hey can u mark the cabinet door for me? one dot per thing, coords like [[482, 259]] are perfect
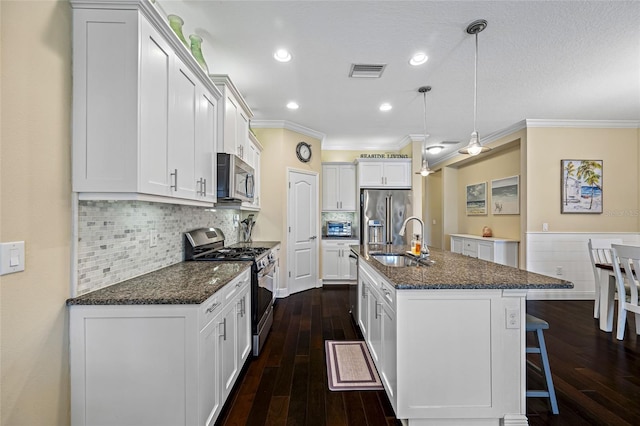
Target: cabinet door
[[457, 244], [470, 248], [242, 134], [156, 59], [330, 185], [374, 337], [371, 175], [182, 132], [205, 146], [345, 264], [485, 250], [209, 385], [347, 187], [363, 303], [389, 376], [331, 262], [243, 311], [230, 124], [397, 174], [227, 348]]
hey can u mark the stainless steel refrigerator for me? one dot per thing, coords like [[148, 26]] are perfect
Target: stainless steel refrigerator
[[382, 212]]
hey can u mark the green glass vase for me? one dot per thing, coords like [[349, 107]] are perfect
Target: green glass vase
[[196, 50], [176, 23]]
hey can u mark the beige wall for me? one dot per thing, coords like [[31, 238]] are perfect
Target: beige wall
[[501, 164], [619, 150], [35, 203], [278, 155]]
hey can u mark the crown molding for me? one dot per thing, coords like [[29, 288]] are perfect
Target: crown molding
[[593, 124], [288, 125]]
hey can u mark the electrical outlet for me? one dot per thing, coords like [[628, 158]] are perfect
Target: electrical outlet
[[153, 238], [545, 227], [558, 270], [513, 318]]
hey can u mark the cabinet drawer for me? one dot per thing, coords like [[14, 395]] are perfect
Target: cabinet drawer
[[470, 248], [209, 309], [214, 304], [388, 294]]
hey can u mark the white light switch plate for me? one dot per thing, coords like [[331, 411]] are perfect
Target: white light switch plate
[[11, 257]]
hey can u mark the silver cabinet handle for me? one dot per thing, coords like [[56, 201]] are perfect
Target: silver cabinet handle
[[364, 291], [382, 179], [376, 309], [212, 307], [175, 179], [204, 186], [224, 325], [337, 204]]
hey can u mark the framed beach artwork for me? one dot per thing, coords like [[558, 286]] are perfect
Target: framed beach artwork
[[581, 190], [477, 199], [505, 195]]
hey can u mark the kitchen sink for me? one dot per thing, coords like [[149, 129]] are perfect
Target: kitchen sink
[[399, 260]]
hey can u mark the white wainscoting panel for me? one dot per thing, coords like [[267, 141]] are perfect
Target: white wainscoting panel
[[548, 251]]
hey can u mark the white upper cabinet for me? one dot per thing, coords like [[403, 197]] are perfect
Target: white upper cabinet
[[392, 173], [141, 126], [338, 187], [233, 117]]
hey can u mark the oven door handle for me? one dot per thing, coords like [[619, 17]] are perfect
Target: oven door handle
[[267, 270]]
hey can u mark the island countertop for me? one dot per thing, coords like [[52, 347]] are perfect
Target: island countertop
[[184, 283], [454, 271]]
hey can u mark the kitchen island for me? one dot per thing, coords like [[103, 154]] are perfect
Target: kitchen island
[[448, 338]]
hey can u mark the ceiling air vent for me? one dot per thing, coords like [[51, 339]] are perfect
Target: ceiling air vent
[[366, 70], [449, 142]]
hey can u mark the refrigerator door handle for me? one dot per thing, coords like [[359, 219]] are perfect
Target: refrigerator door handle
[[389, 220]]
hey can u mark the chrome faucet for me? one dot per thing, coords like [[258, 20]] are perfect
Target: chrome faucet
[[424, 251]]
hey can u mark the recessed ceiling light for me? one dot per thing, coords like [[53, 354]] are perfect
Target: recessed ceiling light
[[385, 107], [293, 105], [434, 149], [282, 55], [418, 59]]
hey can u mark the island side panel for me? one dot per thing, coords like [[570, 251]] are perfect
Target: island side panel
[[458, 359]]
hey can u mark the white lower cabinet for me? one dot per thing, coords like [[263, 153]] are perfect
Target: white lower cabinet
[[498, 250], [158, 364], [436, 351], [335, 260], [378, 325]]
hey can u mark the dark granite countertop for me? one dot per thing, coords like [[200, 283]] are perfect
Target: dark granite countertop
[[455, 271], [265, 244], [186, 283]]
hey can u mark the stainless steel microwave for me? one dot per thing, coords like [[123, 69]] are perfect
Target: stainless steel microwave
[[236, 179]]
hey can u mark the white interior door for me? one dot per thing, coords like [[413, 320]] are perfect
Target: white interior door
[[303, 231]]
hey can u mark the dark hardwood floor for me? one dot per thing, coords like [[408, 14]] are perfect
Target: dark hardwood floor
[[597, 378]]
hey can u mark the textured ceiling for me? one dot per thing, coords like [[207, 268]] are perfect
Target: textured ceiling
[[555, 60]]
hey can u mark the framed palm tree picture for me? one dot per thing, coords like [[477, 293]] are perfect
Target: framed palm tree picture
[[581, 190]]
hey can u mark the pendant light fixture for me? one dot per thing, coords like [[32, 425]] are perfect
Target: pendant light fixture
[[474, 147], [425, 170]]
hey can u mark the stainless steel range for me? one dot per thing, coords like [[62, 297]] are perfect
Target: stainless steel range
[[207, 244]]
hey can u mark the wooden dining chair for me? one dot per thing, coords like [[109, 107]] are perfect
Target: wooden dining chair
[[627, 267], [600, 252]]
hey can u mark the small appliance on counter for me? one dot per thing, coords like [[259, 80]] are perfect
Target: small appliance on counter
[[338, 229]]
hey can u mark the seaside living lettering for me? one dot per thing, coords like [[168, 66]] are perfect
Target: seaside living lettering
[[384, 156]]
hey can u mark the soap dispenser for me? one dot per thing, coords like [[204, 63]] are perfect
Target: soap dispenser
[[418, 245]]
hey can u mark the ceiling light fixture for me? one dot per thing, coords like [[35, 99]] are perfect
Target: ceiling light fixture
[[474, 147], [418, 59], [425, 170], [435, 149], [293, 105], [385, 107], [282, 55]]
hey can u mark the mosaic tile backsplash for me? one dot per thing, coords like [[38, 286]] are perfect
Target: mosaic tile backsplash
[[113, 238]]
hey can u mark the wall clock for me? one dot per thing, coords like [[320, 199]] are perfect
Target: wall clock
[[303, 151]]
